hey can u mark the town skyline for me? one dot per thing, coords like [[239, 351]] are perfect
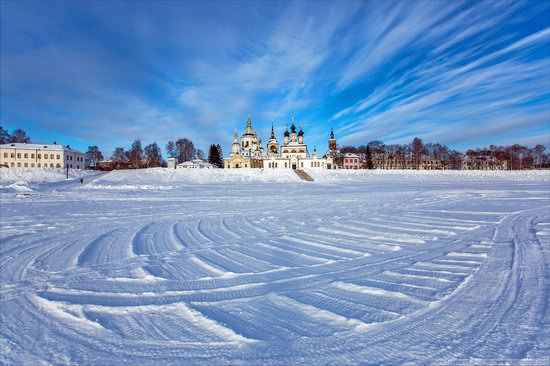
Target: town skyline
[[106, 73]]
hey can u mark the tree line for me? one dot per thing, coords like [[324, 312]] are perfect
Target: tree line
[[376, 153], [150, 156], [17, 136], [136, 156]]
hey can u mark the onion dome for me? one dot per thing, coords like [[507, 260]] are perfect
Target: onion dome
[[292, 127], [301, 133], [286, 132]]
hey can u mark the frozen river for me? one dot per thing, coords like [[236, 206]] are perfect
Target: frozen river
[[209, 268]]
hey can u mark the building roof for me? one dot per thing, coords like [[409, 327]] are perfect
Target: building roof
[[351, 155], [54, 147], [195, 162]]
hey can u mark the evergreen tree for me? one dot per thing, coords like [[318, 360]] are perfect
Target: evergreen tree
[[93, 155], [220, 155], [4, 136], [214, 156], [153, 156], [136, 155], [368, 159]]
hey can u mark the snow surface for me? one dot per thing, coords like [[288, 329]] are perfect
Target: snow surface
[[257, 267], [39, 175]]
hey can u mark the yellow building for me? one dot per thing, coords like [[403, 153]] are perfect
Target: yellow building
[[248, 153]]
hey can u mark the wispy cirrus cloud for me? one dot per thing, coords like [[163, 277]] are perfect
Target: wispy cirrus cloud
[[461, 73]]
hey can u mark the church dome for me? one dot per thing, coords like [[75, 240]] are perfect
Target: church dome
[[287, 133]]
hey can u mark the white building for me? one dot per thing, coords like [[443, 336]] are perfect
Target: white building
[[22, 155], [194, 164], [292, 154]]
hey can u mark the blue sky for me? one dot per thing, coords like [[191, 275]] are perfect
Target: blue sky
[[461, 73]]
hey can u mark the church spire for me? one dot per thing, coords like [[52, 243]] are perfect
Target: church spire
[[272, 131], [248, 125]]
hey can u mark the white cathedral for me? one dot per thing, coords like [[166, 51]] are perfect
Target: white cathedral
[[292, 154]]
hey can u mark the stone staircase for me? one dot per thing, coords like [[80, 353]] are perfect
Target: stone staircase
[[303, 175]]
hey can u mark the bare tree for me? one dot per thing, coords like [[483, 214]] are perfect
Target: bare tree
[[153, 156], [93, 155], [119, 155], [4, 136], [136, 155], [171, 149], [20, 136], [417, 149], [185, 150], [538, 152]]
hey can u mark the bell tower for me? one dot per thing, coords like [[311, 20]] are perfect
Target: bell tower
[[235, 148], [332, 141], [272, 144]]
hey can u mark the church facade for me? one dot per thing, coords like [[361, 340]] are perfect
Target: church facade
[[293, 153]]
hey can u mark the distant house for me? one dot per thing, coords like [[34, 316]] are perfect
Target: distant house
[[195, 164], [22, 155], [484, 162], [351, 161], [107, 165], [428, 163]]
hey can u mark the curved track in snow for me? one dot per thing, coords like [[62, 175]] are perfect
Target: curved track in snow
[[249, 273]]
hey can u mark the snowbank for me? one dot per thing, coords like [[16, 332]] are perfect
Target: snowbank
[[145, 178], [19, 187], [38, 175], [340, 176], [163, 178]]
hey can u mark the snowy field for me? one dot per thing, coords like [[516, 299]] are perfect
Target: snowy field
[[257, 267]]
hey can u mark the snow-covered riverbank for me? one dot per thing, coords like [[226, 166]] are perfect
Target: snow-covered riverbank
[[248, 267]]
